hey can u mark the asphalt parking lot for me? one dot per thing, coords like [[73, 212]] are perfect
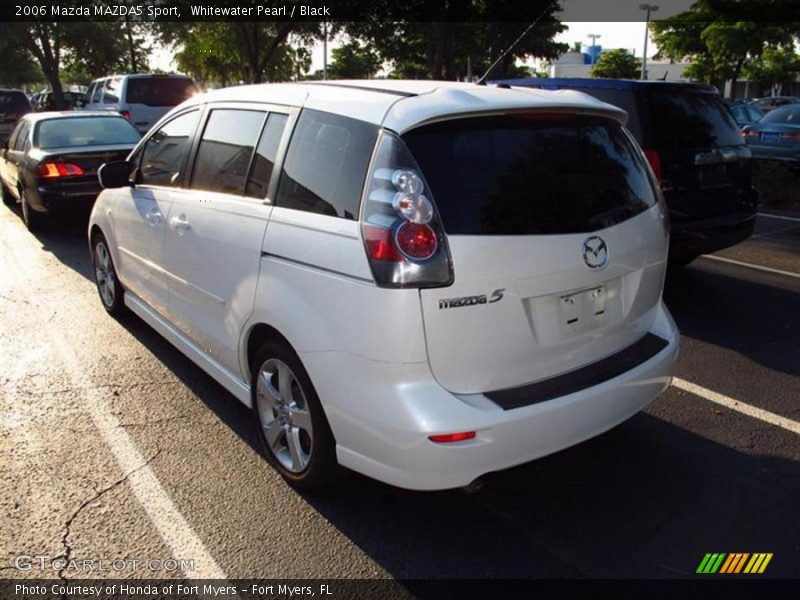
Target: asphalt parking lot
[[114, 445]]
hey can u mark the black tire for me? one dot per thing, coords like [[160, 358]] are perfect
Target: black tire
[[5, 196], [682, 261], [33, 220], [316, 447], [111, 292]]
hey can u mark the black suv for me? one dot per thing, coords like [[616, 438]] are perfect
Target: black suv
[[696, 150]]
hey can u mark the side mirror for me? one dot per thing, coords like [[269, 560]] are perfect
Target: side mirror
[[115, 174]]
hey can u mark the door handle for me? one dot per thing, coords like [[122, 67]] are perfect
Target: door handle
[[154, 218], [180, 223]]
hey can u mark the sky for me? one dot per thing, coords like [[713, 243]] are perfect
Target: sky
[[627, 34]]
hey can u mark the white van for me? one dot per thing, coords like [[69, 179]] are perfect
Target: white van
[[141, 98], [420, 281]]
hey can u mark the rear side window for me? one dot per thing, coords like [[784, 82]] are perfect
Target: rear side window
[[226, 149], [159, 91], [165, 152], [111, 93], [691, 120], [326, 164], [98, 92], [531, 174], [264, 159]]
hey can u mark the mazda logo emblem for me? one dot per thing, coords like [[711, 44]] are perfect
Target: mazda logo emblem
[[595, 252]]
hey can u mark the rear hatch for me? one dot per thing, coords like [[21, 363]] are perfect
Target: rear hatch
[[65, 178], [150, 98], [12, 106], [706, 168], [558, 243]]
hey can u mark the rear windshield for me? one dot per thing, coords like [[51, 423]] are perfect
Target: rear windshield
[[527, 175], [159, 91], [786, 114], [14, 103], [84, 131], [691, 120]]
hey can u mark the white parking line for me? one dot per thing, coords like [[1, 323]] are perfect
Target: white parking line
[[769, 216], [738, 406], [171, 525], [752, 266]]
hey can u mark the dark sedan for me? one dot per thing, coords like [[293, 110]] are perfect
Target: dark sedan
[[50, 162], [777, 135]]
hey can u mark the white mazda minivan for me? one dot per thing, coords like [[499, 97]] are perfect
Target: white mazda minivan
[[420, 281]]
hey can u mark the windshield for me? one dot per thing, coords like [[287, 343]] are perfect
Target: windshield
[[691, 120], [85, 131], [531, 174], [790, 115], [159, 91]]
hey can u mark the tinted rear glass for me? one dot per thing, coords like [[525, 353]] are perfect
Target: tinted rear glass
[[159, 91], [85, 131], [524, 176], [787, 114], [14, 103], [691, 120]]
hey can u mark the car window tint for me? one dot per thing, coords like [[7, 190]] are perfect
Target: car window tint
[[13, 104], [12, 141], [264, 159], [85, 131], [111, 93], [226, 148], [755, 113], [528, 175], [98, 92], [691, 120], [326, 164], [159, 91], [785, 114], [165, 152], [22, 136]]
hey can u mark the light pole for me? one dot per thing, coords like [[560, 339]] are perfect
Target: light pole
[[649, 8], [594, 37]]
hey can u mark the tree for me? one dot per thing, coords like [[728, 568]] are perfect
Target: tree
[[774, 67], [354, 61], [17, 68], [617, 64]]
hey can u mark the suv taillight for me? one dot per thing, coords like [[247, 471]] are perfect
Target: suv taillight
[[403, 235], [655, 162], [126, 114]]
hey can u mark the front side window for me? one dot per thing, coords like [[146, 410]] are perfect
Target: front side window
[[226, 149], [98, 92], [326, 164], [165, 153], [531, 174]]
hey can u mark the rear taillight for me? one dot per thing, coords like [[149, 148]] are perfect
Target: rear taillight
[[125, 114], [791, 135], [655, 162], [52, 170], [403, 235], [750, 133]]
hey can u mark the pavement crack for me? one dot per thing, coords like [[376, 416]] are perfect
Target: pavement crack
[[65, 540]]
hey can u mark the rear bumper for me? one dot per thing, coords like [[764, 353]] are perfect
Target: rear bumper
[[67, 199], [780, 153], [382, 414], [691, 239]]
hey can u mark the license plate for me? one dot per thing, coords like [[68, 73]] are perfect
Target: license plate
[[771, 137]]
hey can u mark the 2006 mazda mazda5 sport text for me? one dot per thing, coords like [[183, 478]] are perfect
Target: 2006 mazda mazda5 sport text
[[420, 281]]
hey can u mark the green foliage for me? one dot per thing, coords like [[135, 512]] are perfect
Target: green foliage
[[617, 64], [353, 61], [17, 67], [774, 67]]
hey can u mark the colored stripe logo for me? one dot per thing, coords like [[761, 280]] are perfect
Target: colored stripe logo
[[734, 563]]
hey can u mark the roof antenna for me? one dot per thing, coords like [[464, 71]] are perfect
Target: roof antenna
[[504, 53]]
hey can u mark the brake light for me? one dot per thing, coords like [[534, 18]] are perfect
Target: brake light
[[655, 162], [449, 438], [125, 114], [791, 135], [402, 231], [750, 133], [52, 170]]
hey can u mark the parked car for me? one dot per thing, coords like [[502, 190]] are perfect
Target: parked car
[[421, 281], [745, 113], [74, 100], [696, 150], [142, 99], [777, 135], [772, 102], [50, 162], [13, 104]]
